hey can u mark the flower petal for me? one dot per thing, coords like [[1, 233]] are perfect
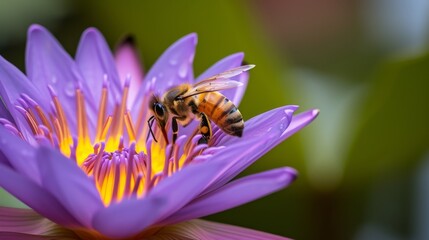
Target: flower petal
[[29, 224], [232, 61], [4, 160], [206, 230], [47, 63], [261, 134], [13, 83], [69, 184], [174, 67], [96, 61], [34, 196], [128, 62], [4, 113], [299, 121], [236, 193], [20, 155], [167, 197]]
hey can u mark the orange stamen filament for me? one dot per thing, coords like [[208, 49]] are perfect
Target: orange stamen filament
[[84, 147], [130, 127], [101, 113]]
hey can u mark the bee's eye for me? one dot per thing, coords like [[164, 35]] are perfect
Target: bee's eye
[[159, 110]]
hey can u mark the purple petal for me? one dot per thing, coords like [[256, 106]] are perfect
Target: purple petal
[[205, 230], [35, 197], [69, 184], [47, 63], [96, 61], [20, 155], [173, 68], [228, 63], [128, 62], [272, 123], [261, 134], [26, 221], [166, 198], [4, 161], [236, 193], [13, 83], [299, 121], [4, 113]]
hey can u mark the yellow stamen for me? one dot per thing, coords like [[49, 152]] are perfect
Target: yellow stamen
[[101, 113], [63, 125], [130, 127], [84, 147], [118, 121], [105, 129]]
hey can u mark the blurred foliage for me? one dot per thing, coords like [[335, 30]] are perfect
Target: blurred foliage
[[394, 131]]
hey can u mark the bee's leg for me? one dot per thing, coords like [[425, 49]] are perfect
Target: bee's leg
[[175, 128], [205, 129], [150, 123]]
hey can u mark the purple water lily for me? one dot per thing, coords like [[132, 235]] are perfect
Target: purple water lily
[[74, 147]]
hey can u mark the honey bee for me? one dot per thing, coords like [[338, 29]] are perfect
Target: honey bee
[[186, 102]]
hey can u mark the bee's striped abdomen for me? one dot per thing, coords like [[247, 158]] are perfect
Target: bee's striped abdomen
[[222, 112]]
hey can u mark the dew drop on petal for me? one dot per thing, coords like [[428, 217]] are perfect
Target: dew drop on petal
[[282, 125], [54, 79], [191, 58], [183, 70], [69, 90], [173, 61]]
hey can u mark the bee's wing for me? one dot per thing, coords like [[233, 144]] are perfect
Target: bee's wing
[[218, 82], [211, 86], [228, 74]]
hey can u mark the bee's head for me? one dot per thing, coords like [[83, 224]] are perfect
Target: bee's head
[[160, 113]]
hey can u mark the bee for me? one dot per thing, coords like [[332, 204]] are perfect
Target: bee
[[203, 101]]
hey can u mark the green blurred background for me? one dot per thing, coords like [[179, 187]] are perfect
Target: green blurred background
[[364, 163]]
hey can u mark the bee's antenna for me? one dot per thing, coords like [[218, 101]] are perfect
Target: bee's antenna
[[150, 123]]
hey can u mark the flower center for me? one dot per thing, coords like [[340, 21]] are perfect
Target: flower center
[[122, 163]]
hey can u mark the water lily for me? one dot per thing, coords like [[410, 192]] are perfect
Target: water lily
[[75, 148]]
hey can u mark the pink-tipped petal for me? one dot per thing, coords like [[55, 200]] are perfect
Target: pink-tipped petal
[[227, 63], [96, 62], [69, 184], [35, 197], [173, 68], [236, 193], [167, 197], [47, 63], [18, 223], [128, 63], [206, 230]]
